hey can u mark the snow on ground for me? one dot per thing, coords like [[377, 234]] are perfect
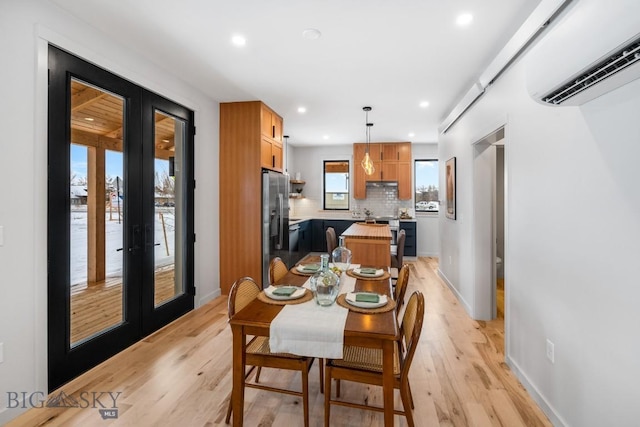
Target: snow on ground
[[113, 241]]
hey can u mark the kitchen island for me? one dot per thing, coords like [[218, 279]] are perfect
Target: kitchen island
[[370, 244]]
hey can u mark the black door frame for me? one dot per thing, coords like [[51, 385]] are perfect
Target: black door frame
[[140, 316]]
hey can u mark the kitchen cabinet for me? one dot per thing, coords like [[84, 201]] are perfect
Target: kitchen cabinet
[[392, 162], [271, 142], [304, 238], [359, 177], [410, 240], [244, 151], [318, 237], [271, 154], [270, 124]]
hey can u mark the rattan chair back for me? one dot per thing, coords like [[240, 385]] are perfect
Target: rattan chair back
[[277, 270], [411, 329], [401, 285], [242, 293]]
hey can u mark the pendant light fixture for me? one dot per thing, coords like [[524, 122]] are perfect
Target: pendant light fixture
[[367, 163]]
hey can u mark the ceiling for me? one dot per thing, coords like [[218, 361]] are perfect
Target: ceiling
[[390, 55]]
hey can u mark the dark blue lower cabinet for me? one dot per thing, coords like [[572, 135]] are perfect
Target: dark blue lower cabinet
[[318, 237], [304, 238], [410, 242]]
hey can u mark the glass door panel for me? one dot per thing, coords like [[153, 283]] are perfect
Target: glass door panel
[[169, 138], [97, 211]]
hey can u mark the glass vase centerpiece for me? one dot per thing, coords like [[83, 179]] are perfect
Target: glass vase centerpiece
[[341, 257], [325, 284]]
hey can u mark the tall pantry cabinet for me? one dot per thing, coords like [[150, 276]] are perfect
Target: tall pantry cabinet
[[250, 139]]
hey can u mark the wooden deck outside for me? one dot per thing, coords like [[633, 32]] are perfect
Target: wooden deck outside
[[98, 307]]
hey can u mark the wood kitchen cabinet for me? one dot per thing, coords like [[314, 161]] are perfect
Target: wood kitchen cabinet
[[270, 124], [392, 162], [244, 151], [271, 142], [271, 154]]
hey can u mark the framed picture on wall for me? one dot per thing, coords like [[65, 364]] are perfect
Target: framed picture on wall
[[450, 178]]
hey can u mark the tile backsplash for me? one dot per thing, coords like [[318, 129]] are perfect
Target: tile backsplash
[[381, 201]]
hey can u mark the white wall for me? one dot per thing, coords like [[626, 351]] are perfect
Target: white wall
[[26, 26], [572, 249], [309, 162]]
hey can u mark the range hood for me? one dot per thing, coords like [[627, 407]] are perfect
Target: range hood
[[382, 183]]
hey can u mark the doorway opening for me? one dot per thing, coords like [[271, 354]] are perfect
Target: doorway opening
[[489, 203]]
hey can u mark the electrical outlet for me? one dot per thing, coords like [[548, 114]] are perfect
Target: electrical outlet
[[449, 259], [551, 351]]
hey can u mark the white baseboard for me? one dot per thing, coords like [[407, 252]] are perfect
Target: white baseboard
[[210, 296], [546, 407], [429, 254], [464, 303]]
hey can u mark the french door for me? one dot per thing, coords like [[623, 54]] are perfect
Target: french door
[[120, 214]]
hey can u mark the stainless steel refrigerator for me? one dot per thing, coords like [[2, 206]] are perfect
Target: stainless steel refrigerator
[[275, 220]]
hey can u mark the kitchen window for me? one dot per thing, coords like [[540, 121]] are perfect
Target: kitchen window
[[426, 185], [336, 184]]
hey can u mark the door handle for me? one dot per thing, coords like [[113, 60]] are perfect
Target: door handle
[[135, 239]]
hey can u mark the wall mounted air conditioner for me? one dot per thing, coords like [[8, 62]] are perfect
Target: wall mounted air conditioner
[[591, 50]]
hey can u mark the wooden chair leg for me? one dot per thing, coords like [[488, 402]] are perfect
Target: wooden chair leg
[[321, 369], [327, 395], [410, 395], [305, 393], [405, 395], [229, 410], [258, 374]]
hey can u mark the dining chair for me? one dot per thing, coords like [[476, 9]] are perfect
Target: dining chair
[[401, 285], [277, 270], [258, 353], [364, 365], [332, 241], [396, 258]]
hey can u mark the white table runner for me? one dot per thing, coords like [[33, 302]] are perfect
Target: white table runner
[[308, 329]]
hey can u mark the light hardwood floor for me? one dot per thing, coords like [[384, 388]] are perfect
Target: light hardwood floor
[[181, 376]]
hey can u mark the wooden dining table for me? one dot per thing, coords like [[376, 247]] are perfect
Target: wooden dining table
[[379, 330]]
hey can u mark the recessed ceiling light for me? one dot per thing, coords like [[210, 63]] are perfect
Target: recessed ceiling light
[[411, 135], [238, 40], [302, 110], [424, 104], [464, 19], [89, 119], [311, 34], [325, 136]]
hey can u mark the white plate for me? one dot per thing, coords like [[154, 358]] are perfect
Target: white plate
[[297, 294], [351, 299], [357, 272], [301, 269]]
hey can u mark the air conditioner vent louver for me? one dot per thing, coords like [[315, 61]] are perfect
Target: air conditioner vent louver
[[619, 60]]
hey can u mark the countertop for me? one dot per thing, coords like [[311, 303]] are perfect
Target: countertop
[[298, 219], [368, 231]]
